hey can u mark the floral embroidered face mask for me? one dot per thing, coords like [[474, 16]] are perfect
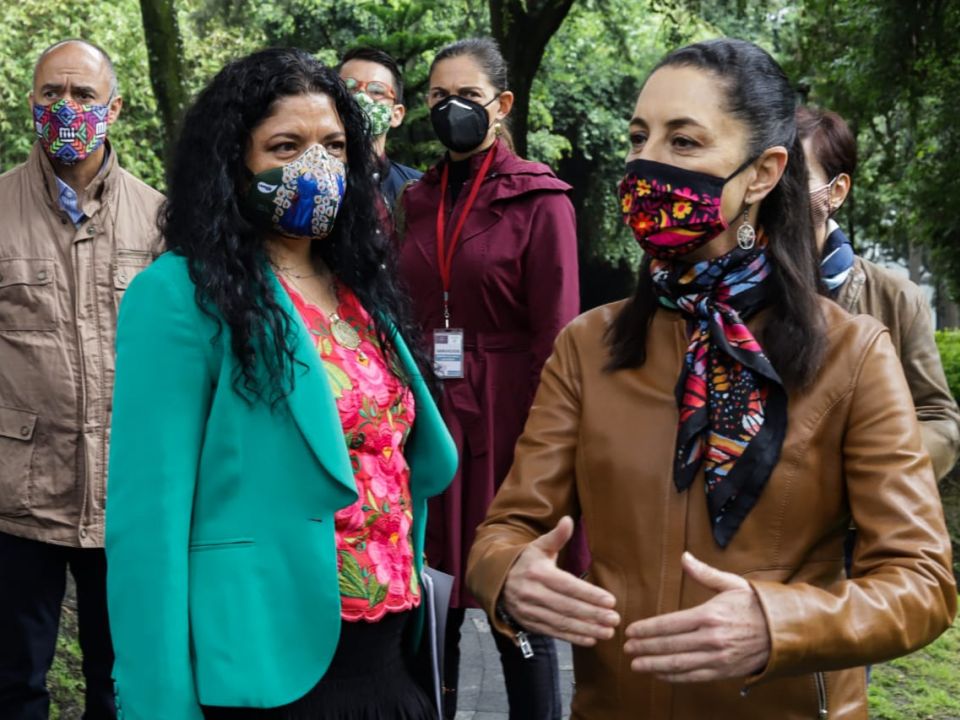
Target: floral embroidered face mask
[[299, 199], [672, 211], [68, 131]]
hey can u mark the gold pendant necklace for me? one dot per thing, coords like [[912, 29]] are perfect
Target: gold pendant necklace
[[344, 333]]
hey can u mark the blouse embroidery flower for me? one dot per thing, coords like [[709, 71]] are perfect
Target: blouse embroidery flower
[[374, 534]]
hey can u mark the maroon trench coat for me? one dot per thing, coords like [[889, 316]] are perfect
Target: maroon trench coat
[[514, 286]]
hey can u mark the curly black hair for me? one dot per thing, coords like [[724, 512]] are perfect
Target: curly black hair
[[226, 254]]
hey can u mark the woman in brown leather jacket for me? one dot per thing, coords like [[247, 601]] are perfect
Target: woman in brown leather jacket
[[718, 432]]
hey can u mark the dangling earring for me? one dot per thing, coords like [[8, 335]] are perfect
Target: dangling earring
[[497, 128], [746, 235]]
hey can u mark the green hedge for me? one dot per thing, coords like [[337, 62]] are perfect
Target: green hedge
[[948, 341]]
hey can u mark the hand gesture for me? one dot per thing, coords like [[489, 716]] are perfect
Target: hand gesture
[[725, 637], [545, 599]]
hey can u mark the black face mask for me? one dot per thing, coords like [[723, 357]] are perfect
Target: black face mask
[[460, 124]]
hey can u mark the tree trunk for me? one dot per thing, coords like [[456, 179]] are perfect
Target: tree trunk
[[914, 261], [948, 314], [165, 54], [523, 28]]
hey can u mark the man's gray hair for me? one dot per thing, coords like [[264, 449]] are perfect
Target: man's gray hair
[[114, 86]]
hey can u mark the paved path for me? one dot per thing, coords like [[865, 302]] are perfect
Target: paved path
[[482, 696]]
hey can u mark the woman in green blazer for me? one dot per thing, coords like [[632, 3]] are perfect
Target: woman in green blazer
[[274, 441]]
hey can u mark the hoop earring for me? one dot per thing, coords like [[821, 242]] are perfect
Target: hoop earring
[[746, 235]]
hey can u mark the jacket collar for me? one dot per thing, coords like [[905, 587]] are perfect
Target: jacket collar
[[89, 200], [311, 400], [523, 175]]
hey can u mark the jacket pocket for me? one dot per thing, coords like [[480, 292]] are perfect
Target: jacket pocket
[[220, 544], [129, 264], [17, 428], [28, 294]]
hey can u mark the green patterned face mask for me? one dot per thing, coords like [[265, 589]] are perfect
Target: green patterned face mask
[[378, 113]]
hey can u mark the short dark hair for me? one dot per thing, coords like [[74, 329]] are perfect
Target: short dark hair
[[114, 86], [833, 144], [380, 57]]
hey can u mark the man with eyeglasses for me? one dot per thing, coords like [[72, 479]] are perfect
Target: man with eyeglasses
[[375, 80], [76, 228]]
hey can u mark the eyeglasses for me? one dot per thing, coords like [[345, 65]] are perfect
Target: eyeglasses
[[375, 89]]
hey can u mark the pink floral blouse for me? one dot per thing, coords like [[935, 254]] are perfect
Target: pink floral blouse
[[374, 535]]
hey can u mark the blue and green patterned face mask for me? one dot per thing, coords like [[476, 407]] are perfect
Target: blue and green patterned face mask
[[299, 199], [377, 113]]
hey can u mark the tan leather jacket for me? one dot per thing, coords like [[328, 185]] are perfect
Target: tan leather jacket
[[59, 290], [601, 444], [901, 306]]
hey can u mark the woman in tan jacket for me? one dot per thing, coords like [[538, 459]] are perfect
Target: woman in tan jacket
[[861, 286], [718, 432]]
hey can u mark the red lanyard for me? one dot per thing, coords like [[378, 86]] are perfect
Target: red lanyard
[[445, 255]]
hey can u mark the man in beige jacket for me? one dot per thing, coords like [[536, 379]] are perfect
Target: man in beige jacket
[[75, 230]]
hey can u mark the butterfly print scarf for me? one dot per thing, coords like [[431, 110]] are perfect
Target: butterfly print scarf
[[732, 403]]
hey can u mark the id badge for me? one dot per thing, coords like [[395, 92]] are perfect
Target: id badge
[[448, 353]]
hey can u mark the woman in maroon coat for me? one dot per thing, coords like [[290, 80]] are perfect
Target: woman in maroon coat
[[489, 253]]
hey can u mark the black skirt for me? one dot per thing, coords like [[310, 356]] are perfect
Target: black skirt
[[369, 678]]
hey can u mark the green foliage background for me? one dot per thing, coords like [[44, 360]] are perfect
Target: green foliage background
[[891, 67], [948, 342], [29, 26]]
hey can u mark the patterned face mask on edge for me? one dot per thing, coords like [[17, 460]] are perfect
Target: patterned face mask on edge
[[68, 131], [820, 203], [377, 113], [672, 211], [301, 198]]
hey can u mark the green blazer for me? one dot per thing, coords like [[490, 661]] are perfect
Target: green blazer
[[222, 581]]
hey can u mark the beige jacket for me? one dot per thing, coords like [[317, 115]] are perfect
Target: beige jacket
[[899, 304], [60, 286], [601, 444]]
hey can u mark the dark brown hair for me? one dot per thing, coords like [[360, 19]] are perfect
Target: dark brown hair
[[830, 138], [758, 94]]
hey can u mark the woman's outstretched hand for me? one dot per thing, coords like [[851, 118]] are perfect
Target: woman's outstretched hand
[[725, 637], [544, 599]]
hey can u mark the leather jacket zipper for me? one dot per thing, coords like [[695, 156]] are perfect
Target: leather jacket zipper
[[523, 640], [821, 684]]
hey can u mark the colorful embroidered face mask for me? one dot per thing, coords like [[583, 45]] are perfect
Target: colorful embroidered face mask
[[69, 132], [299, 199], [377, 113], [672, 211]]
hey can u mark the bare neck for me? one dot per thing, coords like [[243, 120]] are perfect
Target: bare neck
[[820, 233], [288, 252]]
